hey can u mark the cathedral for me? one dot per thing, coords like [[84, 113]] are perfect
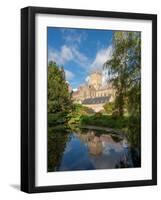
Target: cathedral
[[95, 92]]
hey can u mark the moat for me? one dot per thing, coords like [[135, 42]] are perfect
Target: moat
[[87, 149]]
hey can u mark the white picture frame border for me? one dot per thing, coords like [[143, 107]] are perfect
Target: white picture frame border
[[43, 178]]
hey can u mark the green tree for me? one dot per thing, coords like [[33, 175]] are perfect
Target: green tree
[[109, 107], [79, 110], [57, 139], [134, 76], [59, 98], [124, 68]]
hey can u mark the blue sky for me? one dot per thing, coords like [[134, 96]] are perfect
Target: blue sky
[[79, 51]]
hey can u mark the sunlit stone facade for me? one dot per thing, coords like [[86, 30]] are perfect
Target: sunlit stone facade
[[94, 93]]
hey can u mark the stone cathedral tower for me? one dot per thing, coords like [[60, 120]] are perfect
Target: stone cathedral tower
[[95, 80]]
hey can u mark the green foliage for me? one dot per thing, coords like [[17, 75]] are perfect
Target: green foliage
[[109, 107], [104, 121], [59, 98], [57, 139], [57, 118], [125, 70], [134, 100], [134, 131], [98, 114], [78, 110]]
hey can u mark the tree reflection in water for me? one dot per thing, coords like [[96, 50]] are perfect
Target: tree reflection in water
[[57, 140]]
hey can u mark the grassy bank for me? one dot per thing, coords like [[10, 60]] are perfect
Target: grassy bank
[[105, 121]]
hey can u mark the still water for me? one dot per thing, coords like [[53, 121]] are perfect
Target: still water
[[84, 149]]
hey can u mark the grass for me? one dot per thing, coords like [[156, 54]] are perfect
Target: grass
[[105, 121]]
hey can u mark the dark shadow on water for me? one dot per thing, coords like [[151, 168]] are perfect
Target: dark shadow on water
[[15, 186]]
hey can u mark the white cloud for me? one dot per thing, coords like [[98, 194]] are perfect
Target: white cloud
[[62, 56], [101, 57], [73, 36], [66, 54], [72, 53], [79, 57], [69, 75], [87, 79], [75, 89]]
